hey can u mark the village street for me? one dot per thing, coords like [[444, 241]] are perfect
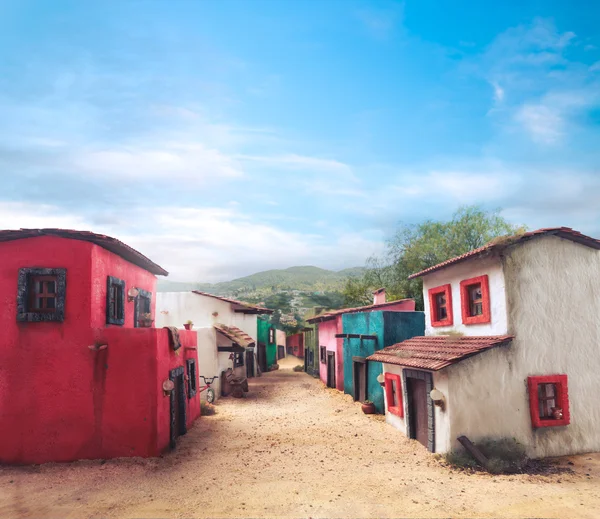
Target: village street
[[293, 448]]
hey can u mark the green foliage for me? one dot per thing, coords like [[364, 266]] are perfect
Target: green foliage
[[505, 456], [207, 409], [417, 247]]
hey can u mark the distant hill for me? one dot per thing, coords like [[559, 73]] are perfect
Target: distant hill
[[305, 279]]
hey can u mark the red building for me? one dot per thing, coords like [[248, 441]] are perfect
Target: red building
[[295, 345], [83, 372]]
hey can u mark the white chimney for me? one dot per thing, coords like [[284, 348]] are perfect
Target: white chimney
[[379, 296]]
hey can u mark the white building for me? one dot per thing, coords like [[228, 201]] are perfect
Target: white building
[[512, 348], [227, 331]]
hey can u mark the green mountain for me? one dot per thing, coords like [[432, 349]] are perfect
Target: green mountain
[[305, 279]]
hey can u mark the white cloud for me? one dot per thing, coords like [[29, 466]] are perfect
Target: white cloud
[[544, 124], [498, 92], [206, 244]]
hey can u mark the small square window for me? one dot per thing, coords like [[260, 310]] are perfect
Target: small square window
[[41, 294], [115, 301], [323, 357], [549, 400], [440, 306], [475, 300], [238, 360], [271, 335], [393, 394], [192, 377]]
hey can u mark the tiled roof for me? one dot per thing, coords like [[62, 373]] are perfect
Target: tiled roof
[[257, 309], [235, 335], [436, 351], [332, 315], [505, 241], [111, 244]]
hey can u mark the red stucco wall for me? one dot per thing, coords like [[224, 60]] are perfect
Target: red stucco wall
[[59, 400], [295, 344]]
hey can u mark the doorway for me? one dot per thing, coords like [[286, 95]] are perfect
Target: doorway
[[262, 356], [360, 378], [331, 369], [420, 415], [249, 363], [177, 405], [281, 351]]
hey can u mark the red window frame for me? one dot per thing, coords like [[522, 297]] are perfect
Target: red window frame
[[390, 378], [562, 400], [465, 301], [433, 292]]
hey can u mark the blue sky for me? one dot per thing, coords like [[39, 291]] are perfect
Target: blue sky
[[225, 137]]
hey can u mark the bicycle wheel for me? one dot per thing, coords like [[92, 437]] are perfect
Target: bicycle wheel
[[210, 395]]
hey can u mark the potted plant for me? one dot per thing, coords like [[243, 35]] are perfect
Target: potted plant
[[145, 320], [368, 407], [188, 324]]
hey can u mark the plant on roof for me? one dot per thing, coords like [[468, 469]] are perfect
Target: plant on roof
[[189, 321]]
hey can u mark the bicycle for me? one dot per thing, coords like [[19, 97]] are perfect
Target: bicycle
[[210, 392]]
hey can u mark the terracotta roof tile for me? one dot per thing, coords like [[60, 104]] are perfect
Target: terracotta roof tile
[[436, 352], [258, 309], [503, 242], [235, 334], [332, 315], [111, 244]]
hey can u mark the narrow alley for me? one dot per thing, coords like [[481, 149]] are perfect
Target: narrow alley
[[293, 448]]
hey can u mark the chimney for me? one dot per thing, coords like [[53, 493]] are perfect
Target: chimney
[[379, 296]]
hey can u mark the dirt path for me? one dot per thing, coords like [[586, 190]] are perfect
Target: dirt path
[[292, 448]]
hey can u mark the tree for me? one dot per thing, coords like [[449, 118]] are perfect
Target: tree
[[417, 247]]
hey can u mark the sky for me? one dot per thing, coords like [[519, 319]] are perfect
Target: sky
[[221, 138]]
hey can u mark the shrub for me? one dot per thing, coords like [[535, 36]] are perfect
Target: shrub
[[299, 367], [206, 409], [505, 456]]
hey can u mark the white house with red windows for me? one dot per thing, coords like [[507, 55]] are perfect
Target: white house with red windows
[[511, 348]]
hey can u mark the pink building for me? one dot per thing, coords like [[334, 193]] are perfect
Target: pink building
[[331, 358]]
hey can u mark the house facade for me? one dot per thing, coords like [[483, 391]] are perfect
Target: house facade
[[280, 339], [295, 344], [511, 348], [227, 331], [83, 371], [363, 333], [330, 329]]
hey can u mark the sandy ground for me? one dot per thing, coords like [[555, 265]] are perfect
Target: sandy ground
[[293, 448]]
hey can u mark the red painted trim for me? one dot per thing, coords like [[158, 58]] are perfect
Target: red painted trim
[[485, 317], [389, 395], [449, 321], [562, 399]]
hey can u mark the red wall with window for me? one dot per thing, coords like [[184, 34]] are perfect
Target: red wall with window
[[296, 343], [60, 400]]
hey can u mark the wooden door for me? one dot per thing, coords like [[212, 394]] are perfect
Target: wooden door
[[262, 356], [331, 369], [177, 404], [281, 350], [417, 394], [249, 364], [360, 380]]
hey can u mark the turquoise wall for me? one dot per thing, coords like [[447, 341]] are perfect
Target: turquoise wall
[[263, 336], [390, 328]]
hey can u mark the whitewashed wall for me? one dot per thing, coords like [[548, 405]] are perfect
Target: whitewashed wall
[[280, 340], [441, 418], [553, 293], [175, 308], [453, 275]]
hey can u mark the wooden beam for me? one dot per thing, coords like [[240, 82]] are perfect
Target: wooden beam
[[473, 451]]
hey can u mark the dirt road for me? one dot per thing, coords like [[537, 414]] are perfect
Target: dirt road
[[293, 448]]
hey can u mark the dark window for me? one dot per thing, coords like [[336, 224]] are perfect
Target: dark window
[[192, 377], [475, 300], [310, 357], [115, 301], [143, 306], [41, 294], [238, 360], [393, 394], [323, 355], [440, 305], [546, 400]]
